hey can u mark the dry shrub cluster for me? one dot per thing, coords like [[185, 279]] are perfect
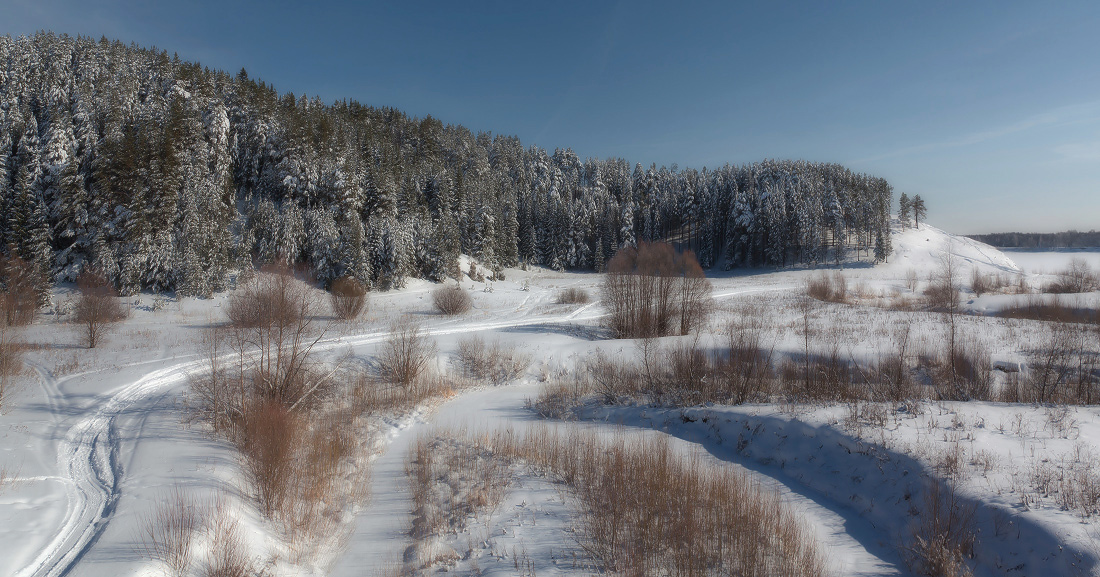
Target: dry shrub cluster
[[572, 296], [983, 283], [11, 358], [1063, 367], [647, 511], [168, 535], [1077, 277], [1054, 310], [175, 532], [946, 535], [278, 406], [828, 287], [490, 362], [348, 297], [23, 290], [652, 291], [97, 306], [407, 353], [450, 299], [687, 375]]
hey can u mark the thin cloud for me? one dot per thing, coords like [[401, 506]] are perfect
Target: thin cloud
[[1076, 113]]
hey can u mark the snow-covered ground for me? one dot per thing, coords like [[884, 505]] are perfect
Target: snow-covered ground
[[1052, 261], [92, 441]]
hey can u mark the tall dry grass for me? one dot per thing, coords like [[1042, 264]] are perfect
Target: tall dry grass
[[648, 511]]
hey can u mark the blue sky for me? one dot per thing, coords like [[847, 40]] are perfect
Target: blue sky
[[989, 110]]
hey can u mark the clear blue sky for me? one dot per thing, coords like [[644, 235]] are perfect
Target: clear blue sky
[[990, 111]]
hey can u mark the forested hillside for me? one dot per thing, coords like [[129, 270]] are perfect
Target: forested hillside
[[167, 176]]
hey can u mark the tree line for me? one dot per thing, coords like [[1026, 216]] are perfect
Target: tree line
[[1066, 239], [169, 176]]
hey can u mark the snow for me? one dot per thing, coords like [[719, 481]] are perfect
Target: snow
[[93, 441]]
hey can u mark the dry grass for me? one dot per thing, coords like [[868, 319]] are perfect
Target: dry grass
[[828, 287], [946, 535], [490, 362], [572, 296], [167, 536], [451, 480], [647, 511], [450, 299]]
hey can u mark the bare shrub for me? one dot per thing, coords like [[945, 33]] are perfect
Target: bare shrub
[[1062, 366], [647, 511], [651, 291], [572, 296], [273, 330], [490, 362], [1077, 277], [228, 556], [965, 370], [450, 299], [11, 358], [407, 352], [348, 297], [267, 436], [96, 306], [946, 535], [911, 279], [167, 534], [980, 283], [1037, 308], [828, 287], [24, 289]]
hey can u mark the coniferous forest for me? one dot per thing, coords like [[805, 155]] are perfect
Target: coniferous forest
[[166, 175]]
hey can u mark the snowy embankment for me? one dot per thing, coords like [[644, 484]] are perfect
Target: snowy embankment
[[885, 483]]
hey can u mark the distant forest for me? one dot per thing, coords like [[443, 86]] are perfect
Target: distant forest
[[1067, 239], [169, 176]]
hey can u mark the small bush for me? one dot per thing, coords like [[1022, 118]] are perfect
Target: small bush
[[946, 535], [348, 297], [24, 289], [407, 353], [572, 296], [11, 358], [167, 535], [96, 306], [651, 291], [829, 288], [1077, 277], [490, 362], [451, 300]]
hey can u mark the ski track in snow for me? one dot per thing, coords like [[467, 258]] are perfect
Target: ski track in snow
[[88, 455]]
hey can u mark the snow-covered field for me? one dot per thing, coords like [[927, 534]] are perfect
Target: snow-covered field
[[93, 441], [1050, 261]]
